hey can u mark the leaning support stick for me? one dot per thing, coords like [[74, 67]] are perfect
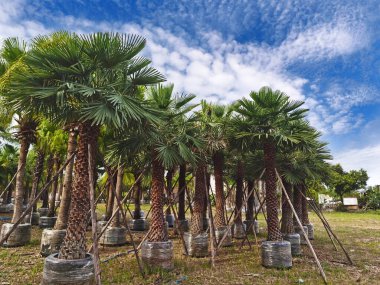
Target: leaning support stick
[[301, 227], [30, 206], [324, 221], [93, 218], [119, 208]]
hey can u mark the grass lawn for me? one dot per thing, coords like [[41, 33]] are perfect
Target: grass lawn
[[359, 232]]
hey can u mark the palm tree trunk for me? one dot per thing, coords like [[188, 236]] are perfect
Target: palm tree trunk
[[199, 198], [60, 188], [51, 212], [137, 195], [45, 195], [19, 197], [274, 233], [297, 203], [63, 214], [182, 192], [287, 226], [218, 160], [169, 182], [74, 244], [239, 191], [305, 214], [111, 196], [158, 225], [119, 188], [250, 201]]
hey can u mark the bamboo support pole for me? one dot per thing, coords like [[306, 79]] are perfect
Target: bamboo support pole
[[301, 227], [93, 218]]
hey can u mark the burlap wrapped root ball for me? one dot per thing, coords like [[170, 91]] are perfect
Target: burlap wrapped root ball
[[158, 254], [197, 246], [74, 272], [19, 237], [276, 254]]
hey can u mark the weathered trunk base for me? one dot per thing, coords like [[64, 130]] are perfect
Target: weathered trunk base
[[254, 227], [43, 212], [205, 224], [47, 222], [170, 219], [295, 243], [197, 246], [219, 233], [19, 237], [310, 231], [299, 231], [276, 254], [183, 225], [238, 230], [158, 254], [51, 241], [139, 225], [114, 236], [73, 272], [142, 214], [6, 208]]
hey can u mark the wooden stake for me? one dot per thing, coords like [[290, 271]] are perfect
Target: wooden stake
[[93, 218], [301, 227]]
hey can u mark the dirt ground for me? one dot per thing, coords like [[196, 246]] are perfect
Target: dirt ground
[[359, 232]]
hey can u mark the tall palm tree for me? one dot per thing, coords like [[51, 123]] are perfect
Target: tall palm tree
[[12, 54], [214, 121], [268, 115], [90, 81]]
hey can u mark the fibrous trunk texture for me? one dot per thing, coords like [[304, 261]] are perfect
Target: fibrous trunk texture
[[251, 201], [199, 199], [51, 212], [239, 191], [218, 161], [305, 214], [297, 203], [182, 192], [119, 188], [19, 197], [38, 169], [63, 214], [169, 183], [74, 244], [158, 225], [274, 233], [287, 226], [137, 195]]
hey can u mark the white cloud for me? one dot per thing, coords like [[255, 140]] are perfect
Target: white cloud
[[12, 24], [367, 158]]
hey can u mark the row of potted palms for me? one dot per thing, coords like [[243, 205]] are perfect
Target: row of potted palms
[[96, 86]]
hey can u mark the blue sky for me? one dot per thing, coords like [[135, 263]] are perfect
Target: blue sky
[[326, 53]]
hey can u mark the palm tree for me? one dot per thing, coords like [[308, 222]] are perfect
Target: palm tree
[[12, 54], [268, 115], [90, 81], [214, 121]]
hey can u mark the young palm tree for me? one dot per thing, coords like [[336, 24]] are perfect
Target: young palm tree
[[89, 81], [268, 115]]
